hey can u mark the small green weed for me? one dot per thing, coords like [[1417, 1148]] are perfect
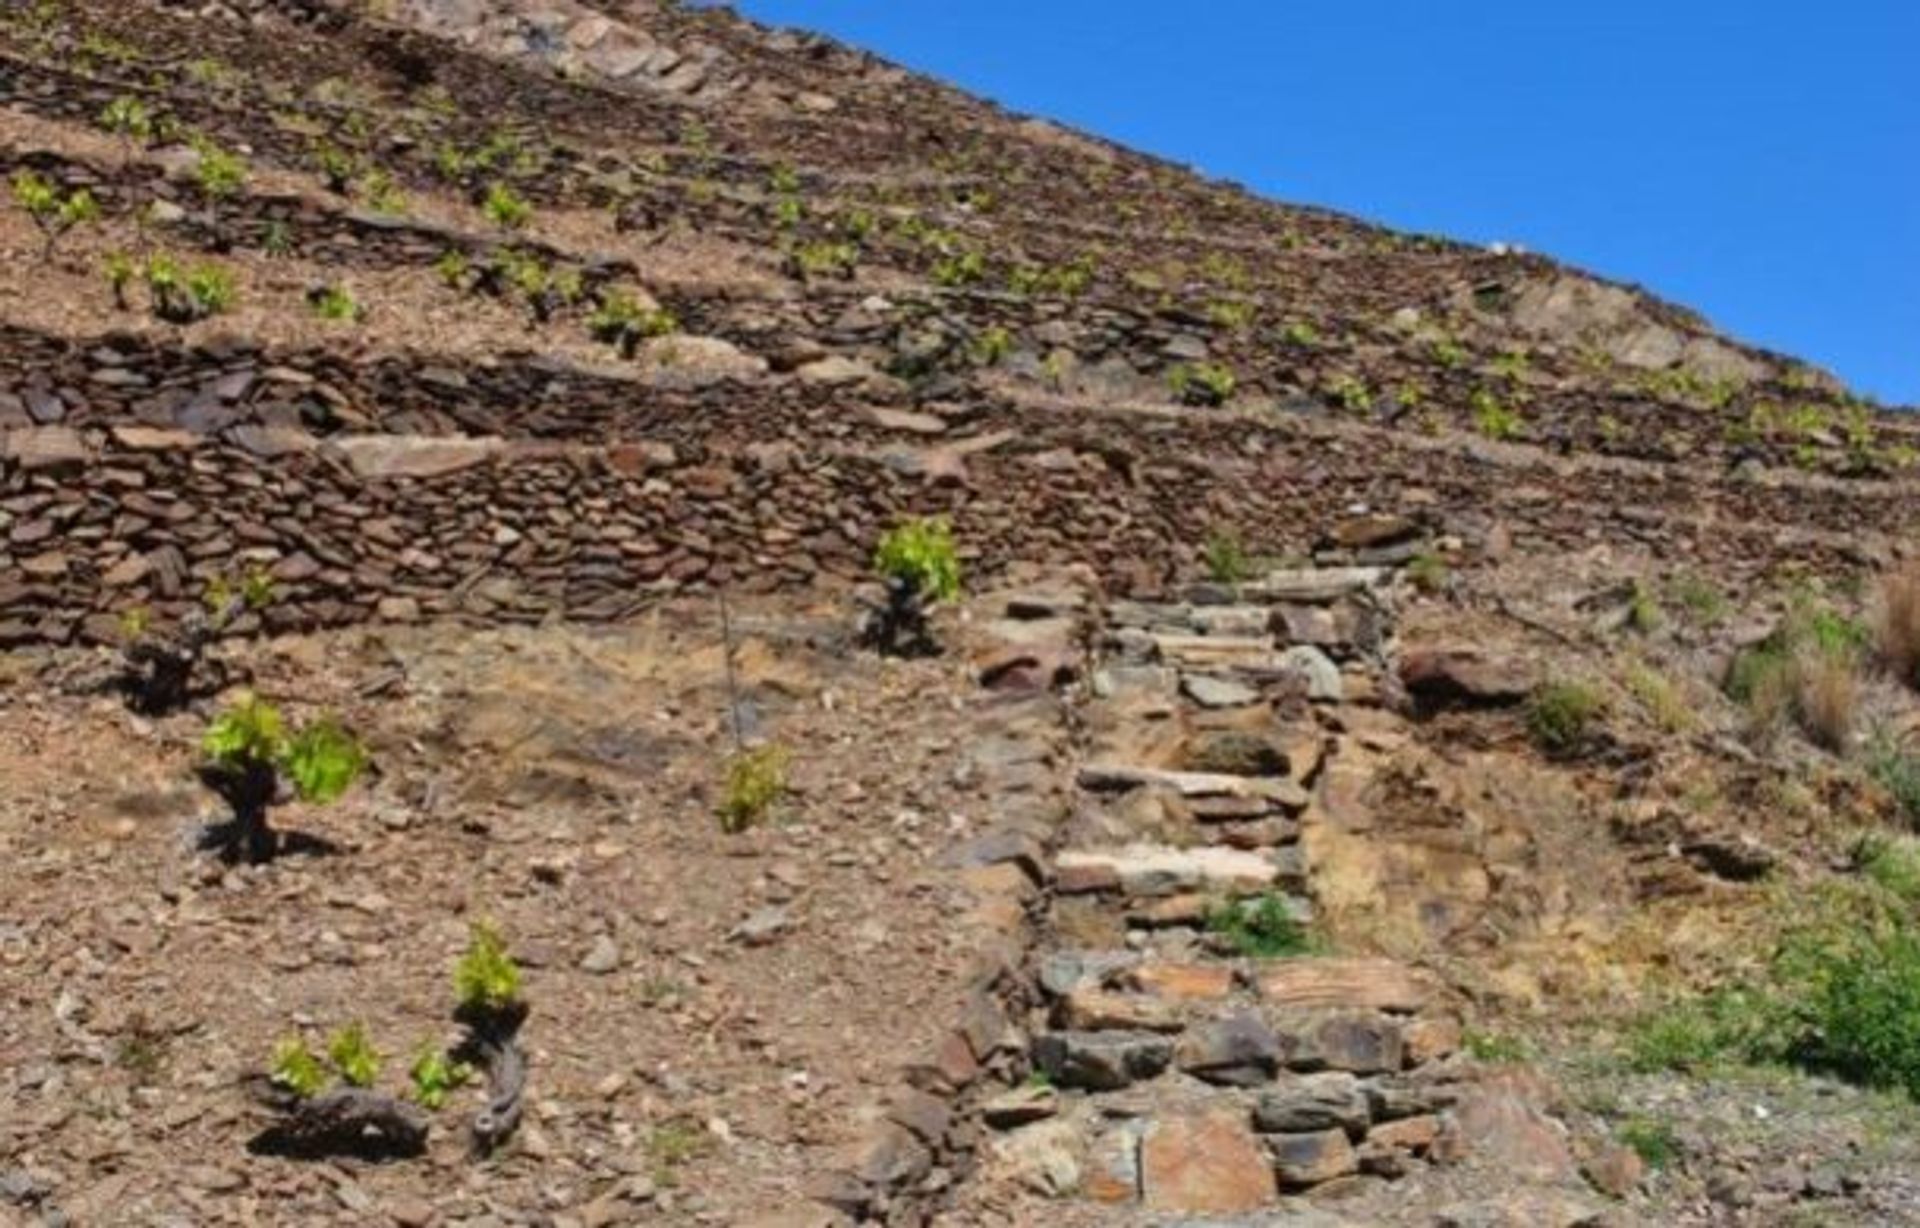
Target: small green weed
[[1226, 559], [1201, 383], [1262, 927], [1494, 1047], [756, 781], [1650, 1139], [505, 208], [1427, 572], [1562, 715], [334, 303]]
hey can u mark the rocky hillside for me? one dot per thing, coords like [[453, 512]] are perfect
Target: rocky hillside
[[1395, 678]]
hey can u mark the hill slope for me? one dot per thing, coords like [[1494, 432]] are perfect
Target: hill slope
[[1347, 578]]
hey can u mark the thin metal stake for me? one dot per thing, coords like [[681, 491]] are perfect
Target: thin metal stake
[[733, 688]]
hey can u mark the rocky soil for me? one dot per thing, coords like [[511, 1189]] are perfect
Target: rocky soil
[[982, 964]]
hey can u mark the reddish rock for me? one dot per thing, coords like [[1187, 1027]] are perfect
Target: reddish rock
[[1501, 1123], [1183, 982], [1095, 1010], [1431, 1038], [1615, 1170], [1443, 678], [1210, 1163], [1415, 1134]]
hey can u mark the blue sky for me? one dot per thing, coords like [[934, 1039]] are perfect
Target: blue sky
[[1758, 161]]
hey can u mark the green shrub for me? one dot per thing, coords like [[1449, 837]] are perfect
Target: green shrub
[[1809, 669], [218, 172], [1896, 770], [322, 761], [52, 211], [486, 978], [1653, 1141], [504, 207], [1201, 383], [1561, 715], [824, 258], [128, 119], [182, 297], [296, 1069], [1698, 596], [353, 1055], [992, 346], [249, 732], [756, 780], [621, 320], [1300, 335], [1494, 1047], [1841, 993], [454, 269], [921, 552], [333, 303], [435, 1077], [1427, 572], [1853, 995], [118, 268], [1493, 419], [1893, 864], [1260, 927], [963, 267]]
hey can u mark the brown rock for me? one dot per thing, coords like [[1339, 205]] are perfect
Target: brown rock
[[1371, 531], [1501, 1123], [1094, 1010], [44, 447], [403, 456], [1209, 1163], [1363, 1044], [1415, 1134], [1375, 984], [1443, 678], [1302, 1160], [1431, 1038], [1183, 982]]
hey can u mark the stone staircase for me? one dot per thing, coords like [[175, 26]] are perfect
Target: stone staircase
[[1200, 1042]]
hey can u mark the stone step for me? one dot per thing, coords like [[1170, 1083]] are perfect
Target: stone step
[[1148, 869], [1313, 585], [1121, 778], [1372, 984]]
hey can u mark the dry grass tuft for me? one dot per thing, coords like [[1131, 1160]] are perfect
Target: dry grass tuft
[[1826, 698], [1899, 626]]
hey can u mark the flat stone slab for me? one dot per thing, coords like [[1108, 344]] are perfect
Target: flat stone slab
[[1248, 652], [1159, 868], [405, 456], [1118, 778], [1313, 585], [1371, 984], [1210, 692], [1205, 1163]]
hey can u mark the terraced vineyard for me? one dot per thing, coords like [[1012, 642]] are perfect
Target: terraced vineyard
[[465, 354]]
